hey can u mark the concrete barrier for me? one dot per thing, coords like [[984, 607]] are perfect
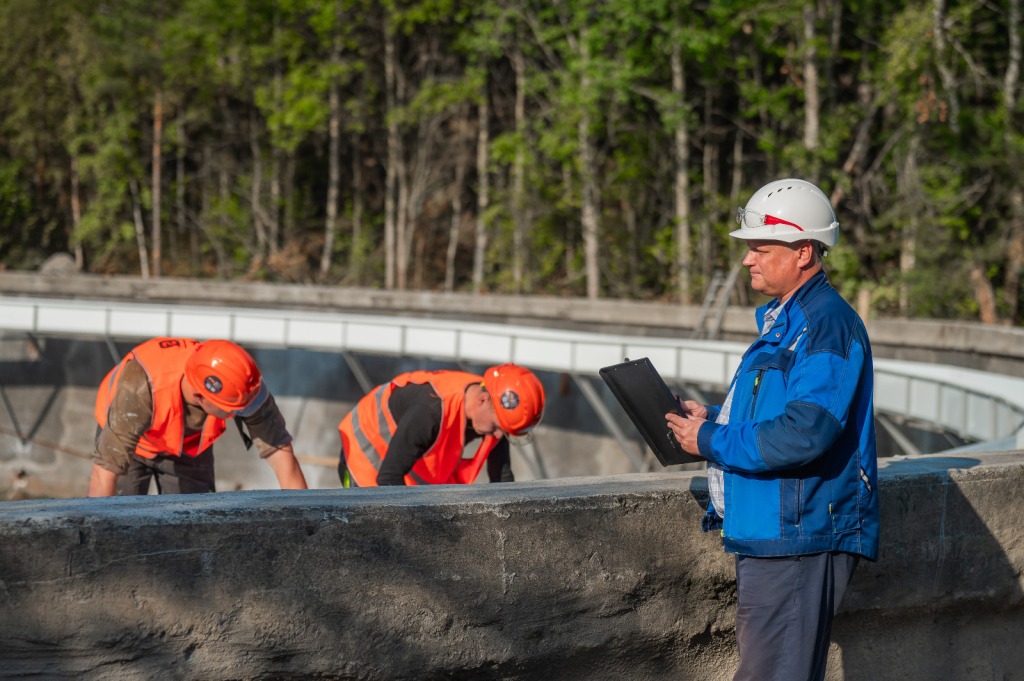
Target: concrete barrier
[[567, 579]]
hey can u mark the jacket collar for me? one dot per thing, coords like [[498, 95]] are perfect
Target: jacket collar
[[809, 288]]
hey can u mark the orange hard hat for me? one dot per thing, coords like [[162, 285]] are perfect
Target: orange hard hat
[[518, 397], [226, 375]]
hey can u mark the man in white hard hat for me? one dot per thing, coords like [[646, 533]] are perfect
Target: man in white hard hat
[[792, 469]]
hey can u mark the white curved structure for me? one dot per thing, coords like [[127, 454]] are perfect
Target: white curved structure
[[973, 404]]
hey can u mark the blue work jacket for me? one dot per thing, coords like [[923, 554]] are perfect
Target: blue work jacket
[[798, 452]]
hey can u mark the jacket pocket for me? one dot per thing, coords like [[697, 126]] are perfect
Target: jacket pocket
[[791, 499]]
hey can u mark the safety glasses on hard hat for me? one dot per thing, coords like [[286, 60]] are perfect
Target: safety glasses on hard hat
[[254, 404], [753, 220], [523, 439]]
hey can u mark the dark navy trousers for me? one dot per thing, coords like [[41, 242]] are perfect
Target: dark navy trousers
[[172, 474], [784, 614]]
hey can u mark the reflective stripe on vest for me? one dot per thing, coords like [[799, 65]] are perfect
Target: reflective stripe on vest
[[366, 432], [367, 448]]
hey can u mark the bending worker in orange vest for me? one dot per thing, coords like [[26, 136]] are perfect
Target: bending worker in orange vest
[[413, 429], [160, 410]]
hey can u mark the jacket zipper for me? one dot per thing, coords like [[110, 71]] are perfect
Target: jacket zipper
[[757, 386]]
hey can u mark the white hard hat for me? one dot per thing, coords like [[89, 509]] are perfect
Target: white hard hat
[[788, 210]]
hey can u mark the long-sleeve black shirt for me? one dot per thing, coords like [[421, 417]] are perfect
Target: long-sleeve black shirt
[[418, 412]]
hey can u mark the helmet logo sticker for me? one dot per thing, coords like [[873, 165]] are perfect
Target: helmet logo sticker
[[213, 384], [509, 399]]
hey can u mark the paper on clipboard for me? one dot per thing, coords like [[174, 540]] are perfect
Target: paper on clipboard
[[646, 399]]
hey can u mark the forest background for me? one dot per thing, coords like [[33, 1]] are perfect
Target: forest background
[[549, 147]]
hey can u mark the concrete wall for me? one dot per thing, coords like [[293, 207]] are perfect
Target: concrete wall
[[570, 579]]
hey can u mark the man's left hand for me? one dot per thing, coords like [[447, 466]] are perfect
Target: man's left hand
[[685, 430]]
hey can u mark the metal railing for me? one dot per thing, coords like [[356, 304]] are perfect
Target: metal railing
[[911, 390]]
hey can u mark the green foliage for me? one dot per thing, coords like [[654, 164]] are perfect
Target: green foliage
[[911, 137]]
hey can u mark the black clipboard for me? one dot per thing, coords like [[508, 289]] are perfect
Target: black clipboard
[[646, 399]]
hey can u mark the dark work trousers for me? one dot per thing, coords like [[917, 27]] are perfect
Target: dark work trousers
[[172, 474], [784, 614]]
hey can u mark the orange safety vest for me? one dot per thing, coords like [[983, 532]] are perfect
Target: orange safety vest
[[163, 359], [366, 432]]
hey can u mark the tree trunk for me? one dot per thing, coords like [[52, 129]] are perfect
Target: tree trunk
[[984, 295], [276, 154], [394, 152], [76, 215], [140, 228], [590, 201], [355, 252], [180, 178], [736, 246], [158, 129], [461, 165], [833, 9], [812, 101], [681, 138], [274, 213], [570, 227], [334, 160], [590, 198], [259, 217], [483, 195], [519, 239], [205, 211], [403, 225], [632, 261], [288, 224], [709, 161], [908, 185], [1015, 247], [945, 72]]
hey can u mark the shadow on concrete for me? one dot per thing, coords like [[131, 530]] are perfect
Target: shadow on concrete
[[492, 583], [943, 601]]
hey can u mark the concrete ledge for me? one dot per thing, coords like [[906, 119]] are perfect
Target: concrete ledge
[[564, 579]]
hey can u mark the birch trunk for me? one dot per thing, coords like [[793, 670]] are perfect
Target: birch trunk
[[908, 187], [519, 238], [709, 166], [403, 225], [274, 213], [483, 195], [589, 207], [984, 295], [1015, 250], [259, 219], [945, 72], [76, 215], [390, 181], [461, 165], [140, 228], [158, 128], [333, 162], [180, 178], [681, 140], [590, 194], [812, 99], [355, 253]]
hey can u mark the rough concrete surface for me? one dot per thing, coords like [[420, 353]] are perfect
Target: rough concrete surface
[[570, 579]]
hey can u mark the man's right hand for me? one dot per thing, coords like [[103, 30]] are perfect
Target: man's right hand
[[692, 408]]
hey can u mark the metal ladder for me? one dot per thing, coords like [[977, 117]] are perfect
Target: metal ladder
[[716, 299]]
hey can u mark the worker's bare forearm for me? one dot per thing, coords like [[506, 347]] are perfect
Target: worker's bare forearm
[[287, 469], [102, 483]]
